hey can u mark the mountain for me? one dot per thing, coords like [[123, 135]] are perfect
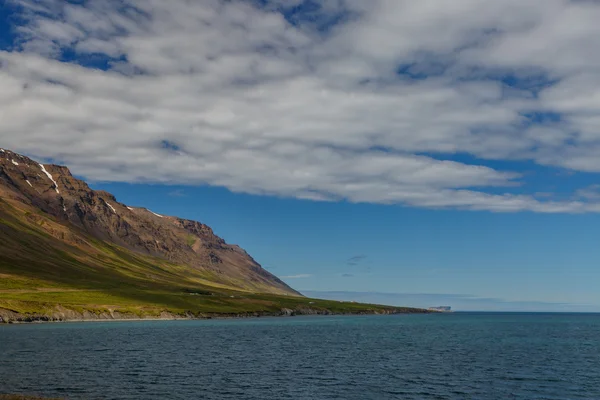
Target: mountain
[[67, 209], [70, 252]]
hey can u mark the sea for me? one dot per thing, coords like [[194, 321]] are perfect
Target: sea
[[429, 356]]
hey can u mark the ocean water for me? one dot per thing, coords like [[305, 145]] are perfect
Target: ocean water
[[444, 356]]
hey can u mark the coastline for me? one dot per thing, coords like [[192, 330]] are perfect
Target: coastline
[[67, 315]]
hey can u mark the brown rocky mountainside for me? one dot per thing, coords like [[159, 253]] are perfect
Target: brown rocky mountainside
[[68, 210]]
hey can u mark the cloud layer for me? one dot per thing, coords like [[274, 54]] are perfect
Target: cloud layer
[[299, 276], [354, 100]]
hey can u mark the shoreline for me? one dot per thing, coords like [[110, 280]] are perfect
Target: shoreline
[[9, 317], [74, 321]]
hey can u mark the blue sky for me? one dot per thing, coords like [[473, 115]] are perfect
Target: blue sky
[[472, 260], [439, 152]]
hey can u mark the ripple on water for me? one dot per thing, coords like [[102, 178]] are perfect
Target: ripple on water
[[458, 356]]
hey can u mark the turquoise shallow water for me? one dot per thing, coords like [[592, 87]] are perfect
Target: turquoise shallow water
[[448, 356]]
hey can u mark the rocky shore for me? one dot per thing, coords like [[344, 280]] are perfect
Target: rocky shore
[[62, 314]]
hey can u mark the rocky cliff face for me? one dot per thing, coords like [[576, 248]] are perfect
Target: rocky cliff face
[[81, 211]]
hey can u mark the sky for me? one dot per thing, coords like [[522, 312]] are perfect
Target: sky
[[418, 153]]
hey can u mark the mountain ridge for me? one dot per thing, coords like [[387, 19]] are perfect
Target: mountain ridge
[[68, 252], [53, 189]]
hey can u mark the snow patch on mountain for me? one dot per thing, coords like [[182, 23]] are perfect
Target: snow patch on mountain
[[158, 215], [51, 178]]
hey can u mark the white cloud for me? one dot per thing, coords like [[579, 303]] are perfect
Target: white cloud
[[229, 94], [591, 192], [300, 276]]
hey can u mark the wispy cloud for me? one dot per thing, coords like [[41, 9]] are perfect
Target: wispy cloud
[[347, 275], [591, 192], [299, 276], [355, 260], [233, 94], [177, 193]]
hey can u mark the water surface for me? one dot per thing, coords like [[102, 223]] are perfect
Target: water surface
[[445, 356]]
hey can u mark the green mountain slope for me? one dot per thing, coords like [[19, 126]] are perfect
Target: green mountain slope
[[93, 263]]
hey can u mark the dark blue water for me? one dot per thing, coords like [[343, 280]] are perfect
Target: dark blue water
[[449, 356]]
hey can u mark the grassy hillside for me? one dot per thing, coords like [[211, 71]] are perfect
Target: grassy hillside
[[49, 269]]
